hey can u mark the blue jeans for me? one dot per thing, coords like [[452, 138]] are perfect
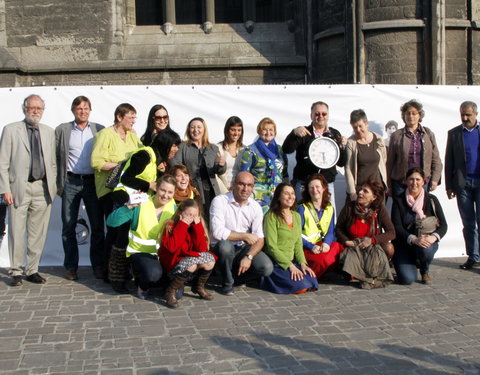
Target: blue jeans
[[407, 257], [468, 203], [229, 257], [75, 190], [146, 269]]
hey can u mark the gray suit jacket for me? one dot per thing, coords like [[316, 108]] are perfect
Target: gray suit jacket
[[15, 160], [188, 154], [62, 139]]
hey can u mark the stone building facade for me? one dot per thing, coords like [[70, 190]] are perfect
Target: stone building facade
[[109, 42]]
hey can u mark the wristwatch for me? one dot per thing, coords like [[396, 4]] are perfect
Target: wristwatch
[[250, 256]]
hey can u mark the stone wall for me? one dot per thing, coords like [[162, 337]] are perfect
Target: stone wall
[[64, 42], [93, 42]]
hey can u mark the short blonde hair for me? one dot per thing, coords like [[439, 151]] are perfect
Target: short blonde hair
[[264, 122]]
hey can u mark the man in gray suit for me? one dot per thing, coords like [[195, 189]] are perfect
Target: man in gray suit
[[75, 180], [28, 183]]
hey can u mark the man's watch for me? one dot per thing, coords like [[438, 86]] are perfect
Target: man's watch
[[250, 256]]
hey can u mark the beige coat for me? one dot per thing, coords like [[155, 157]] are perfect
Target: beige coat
[[15, 160], [351, 162]]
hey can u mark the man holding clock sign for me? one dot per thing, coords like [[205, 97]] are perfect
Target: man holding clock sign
[[315, 151]]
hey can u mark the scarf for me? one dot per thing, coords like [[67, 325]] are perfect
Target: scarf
[[368, 215], [269, 153], [181, 196], [416, 204]]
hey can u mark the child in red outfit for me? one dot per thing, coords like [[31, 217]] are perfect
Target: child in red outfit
[[184, 251]]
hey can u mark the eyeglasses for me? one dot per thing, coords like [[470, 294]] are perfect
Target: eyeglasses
[[243, 184], [323, 114], [159, 118], [39, 109]]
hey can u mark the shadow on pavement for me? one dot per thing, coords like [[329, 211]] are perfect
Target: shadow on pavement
[[280, 355]]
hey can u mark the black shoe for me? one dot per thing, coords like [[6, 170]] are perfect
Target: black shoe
[[36, 278], [98, 273], [16, 280], [468, 264]]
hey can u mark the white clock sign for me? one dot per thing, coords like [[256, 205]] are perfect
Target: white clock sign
[[324, 152]]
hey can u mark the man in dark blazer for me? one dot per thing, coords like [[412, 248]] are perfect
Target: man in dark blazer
[[300, 139], [75, 180], [28, 183], [462, 177]]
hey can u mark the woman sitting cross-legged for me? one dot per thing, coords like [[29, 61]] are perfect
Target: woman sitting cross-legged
[[184, 251], [420, 224], [365, 229], [318, 223], [283, 236]]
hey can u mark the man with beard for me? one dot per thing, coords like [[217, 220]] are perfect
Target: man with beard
[[28, 184], [462, 177]]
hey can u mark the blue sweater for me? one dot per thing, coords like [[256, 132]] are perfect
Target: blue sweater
[[471, 140]]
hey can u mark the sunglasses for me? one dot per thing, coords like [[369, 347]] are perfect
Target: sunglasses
[[160, 118], [318, 114]]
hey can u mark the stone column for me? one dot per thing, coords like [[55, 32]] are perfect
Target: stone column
[[249, 14], [209, 16], [170, 19], [438, 43]]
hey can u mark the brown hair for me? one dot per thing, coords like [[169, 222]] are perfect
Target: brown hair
[[79, 100], [326, 194], [122, 110], [176, 217], [275, 207], [378, 190]]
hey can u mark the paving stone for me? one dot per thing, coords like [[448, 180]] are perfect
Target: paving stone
[[85, 328]]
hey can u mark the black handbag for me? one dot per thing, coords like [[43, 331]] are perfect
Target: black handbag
[[114, 175]]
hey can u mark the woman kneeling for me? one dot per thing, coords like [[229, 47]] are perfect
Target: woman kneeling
[[420, 224], [318, 223], [365, 229], [184, 251]]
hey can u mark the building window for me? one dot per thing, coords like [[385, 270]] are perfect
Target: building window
[[193, 12], [229, 11], [189, 12], [149, 12], [270, 10]]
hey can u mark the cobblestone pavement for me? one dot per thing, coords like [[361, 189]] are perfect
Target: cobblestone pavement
[[82, 327]]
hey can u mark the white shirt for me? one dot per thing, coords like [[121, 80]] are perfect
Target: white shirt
[[227, 216]]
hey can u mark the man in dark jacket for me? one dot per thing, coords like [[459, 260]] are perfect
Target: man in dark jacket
[[299, 140], [462, 177]]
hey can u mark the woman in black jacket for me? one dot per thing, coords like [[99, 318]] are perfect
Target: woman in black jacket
[[414, 246]]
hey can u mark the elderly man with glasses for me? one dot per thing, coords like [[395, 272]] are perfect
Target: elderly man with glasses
[[28, 184]]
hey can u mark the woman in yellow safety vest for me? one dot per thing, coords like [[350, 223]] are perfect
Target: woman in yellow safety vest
[[138, 228], [318, 224]]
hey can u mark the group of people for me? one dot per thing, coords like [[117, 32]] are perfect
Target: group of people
[[175, 210]]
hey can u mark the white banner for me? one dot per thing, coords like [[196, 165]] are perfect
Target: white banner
[[288, 106]]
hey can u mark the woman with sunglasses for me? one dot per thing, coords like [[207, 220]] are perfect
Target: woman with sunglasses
[[157, 121]]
